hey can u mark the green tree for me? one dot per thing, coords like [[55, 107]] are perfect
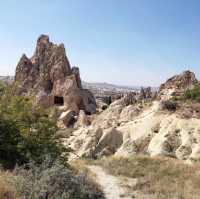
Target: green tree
[[10, 140], [26, 132]]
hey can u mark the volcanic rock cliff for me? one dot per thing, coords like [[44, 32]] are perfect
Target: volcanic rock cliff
[[49, 76]]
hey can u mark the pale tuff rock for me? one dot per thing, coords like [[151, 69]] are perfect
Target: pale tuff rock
[[130, 130], [93, 142], [83, 120], [109, 142], [129, 112], [84, 141], [66, 119], [177, 137], [49, 76], [101, 106]]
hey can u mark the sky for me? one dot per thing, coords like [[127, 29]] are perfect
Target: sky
[[126, 42]]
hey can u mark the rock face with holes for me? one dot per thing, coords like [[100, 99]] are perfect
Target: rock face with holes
[[49, 76]]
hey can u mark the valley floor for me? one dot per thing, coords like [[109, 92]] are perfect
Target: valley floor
[[113, 187], [142, 177]]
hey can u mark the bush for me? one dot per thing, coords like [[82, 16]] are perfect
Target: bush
[[107, 100], [52, 180], [26, 133], [10, 143], [193, 94], [169, 105]]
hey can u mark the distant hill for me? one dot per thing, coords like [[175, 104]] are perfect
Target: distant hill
[[95, 87], [108, 86], [7, 79], [101, 89]]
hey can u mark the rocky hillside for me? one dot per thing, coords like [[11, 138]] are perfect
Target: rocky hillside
[[177, 84], [140, 127], [141, 122]]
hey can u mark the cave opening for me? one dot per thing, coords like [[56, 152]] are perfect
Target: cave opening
[[59, 101]]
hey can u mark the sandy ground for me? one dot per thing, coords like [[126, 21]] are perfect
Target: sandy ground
[[113, 187]]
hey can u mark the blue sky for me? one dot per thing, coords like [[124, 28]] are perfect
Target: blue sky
[[129, 42]]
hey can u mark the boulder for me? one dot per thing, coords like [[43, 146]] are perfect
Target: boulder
[[110, 141], [83, 141], [66, 119], [129, 113], [83, 120]]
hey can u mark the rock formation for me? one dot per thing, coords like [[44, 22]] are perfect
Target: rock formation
[[128, 126], [126, 129], [177, 84], [145, 93], [49, 76]]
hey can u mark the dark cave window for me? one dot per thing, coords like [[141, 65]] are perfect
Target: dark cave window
[[59, 101], [88, 113]]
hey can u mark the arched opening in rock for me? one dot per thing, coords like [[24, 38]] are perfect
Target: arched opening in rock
[[59, 101]]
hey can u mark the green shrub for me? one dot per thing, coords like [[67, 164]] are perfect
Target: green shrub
[[169, 105], [193, 94], [52, 180], [26, 133], [10, 141]]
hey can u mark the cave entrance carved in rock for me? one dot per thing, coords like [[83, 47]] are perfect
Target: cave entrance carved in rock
[[59, 101]]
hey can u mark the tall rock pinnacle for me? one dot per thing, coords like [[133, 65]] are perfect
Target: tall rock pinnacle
[[49, 76]]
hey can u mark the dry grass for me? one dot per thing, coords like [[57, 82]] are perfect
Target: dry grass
[[80, 166], [49, 181], [160, 178], [7, 191]]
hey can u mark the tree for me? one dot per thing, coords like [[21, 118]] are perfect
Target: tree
[[26, 132]]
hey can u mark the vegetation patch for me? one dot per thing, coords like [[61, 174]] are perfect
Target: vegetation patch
[[193, 94], [169, 105], [27, 133], [33, 161], [49, 180], [159, 177]]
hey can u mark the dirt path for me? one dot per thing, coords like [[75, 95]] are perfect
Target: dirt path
[[113, 187]]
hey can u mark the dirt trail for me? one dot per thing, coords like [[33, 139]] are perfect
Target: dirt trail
[[113, 187]]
